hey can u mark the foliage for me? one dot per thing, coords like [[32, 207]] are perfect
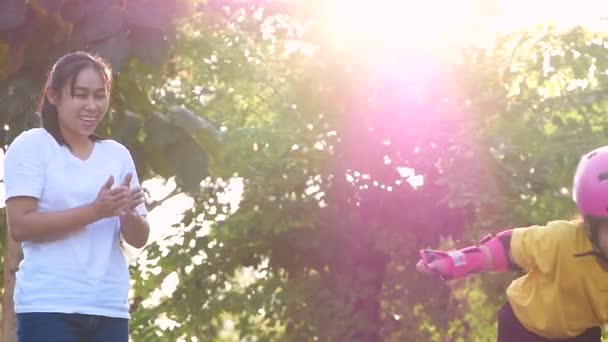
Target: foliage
[[134, 37], [322, 209], [329, 149]]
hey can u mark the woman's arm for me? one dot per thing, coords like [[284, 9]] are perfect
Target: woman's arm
[[133, 225], [26, 223], [135, 229]]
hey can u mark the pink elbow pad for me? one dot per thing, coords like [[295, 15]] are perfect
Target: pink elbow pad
[[499, 249], [471, 259]]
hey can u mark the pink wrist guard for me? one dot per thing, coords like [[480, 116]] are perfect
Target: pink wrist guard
[[471, 259]]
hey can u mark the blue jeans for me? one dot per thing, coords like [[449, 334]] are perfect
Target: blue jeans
[[61, 327]]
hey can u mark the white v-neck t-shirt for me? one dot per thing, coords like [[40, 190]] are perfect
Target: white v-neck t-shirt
[[85, 272]]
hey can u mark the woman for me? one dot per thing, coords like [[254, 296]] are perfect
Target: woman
[[70, 197]]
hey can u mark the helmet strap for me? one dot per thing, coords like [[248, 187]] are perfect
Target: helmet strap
[[592, 233]]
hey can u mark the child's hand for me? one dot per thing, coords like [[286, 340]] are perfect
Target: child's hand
[[435, 262]]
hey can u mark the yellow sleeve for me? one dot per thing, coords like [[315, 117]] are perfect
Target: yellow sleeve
[[536, 246]]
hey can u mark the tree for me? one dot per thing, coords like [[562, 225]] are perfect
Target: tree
[[330, 151], [538, 105], [312, 226], [318, 225]]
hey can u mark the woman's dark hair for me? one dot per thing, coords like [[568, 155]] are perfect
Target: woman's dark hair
[[65, 70]]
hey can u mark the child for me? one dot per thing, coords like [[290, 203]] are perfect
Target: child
[[563, 296]]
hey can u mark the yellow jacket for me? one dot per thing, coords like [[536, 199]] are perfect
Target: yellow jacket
[[561, 295]]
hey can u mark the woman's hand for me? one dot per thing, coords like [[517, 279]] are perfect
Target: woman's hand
[[111, 202]]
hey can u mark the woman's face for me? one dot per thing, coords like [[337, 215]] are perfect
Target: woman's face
[[80, 111]]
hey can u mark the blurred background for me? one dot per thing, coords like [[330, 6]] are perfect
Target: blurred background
[[298, 154]]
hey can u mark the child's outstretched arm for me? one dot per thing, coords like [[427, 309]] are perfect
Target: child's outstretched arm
[[493, 254]]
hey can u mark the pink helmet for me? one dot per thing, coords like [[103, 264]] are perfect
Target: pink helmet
[[590, 190]]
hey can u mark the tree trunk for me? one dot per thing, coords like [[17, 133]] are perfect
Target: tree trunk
[[368, 306], [12, 257]]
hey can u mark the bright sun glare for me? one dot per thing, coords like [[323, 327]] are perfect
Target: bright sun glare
[[437, 25], [403, 24]]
